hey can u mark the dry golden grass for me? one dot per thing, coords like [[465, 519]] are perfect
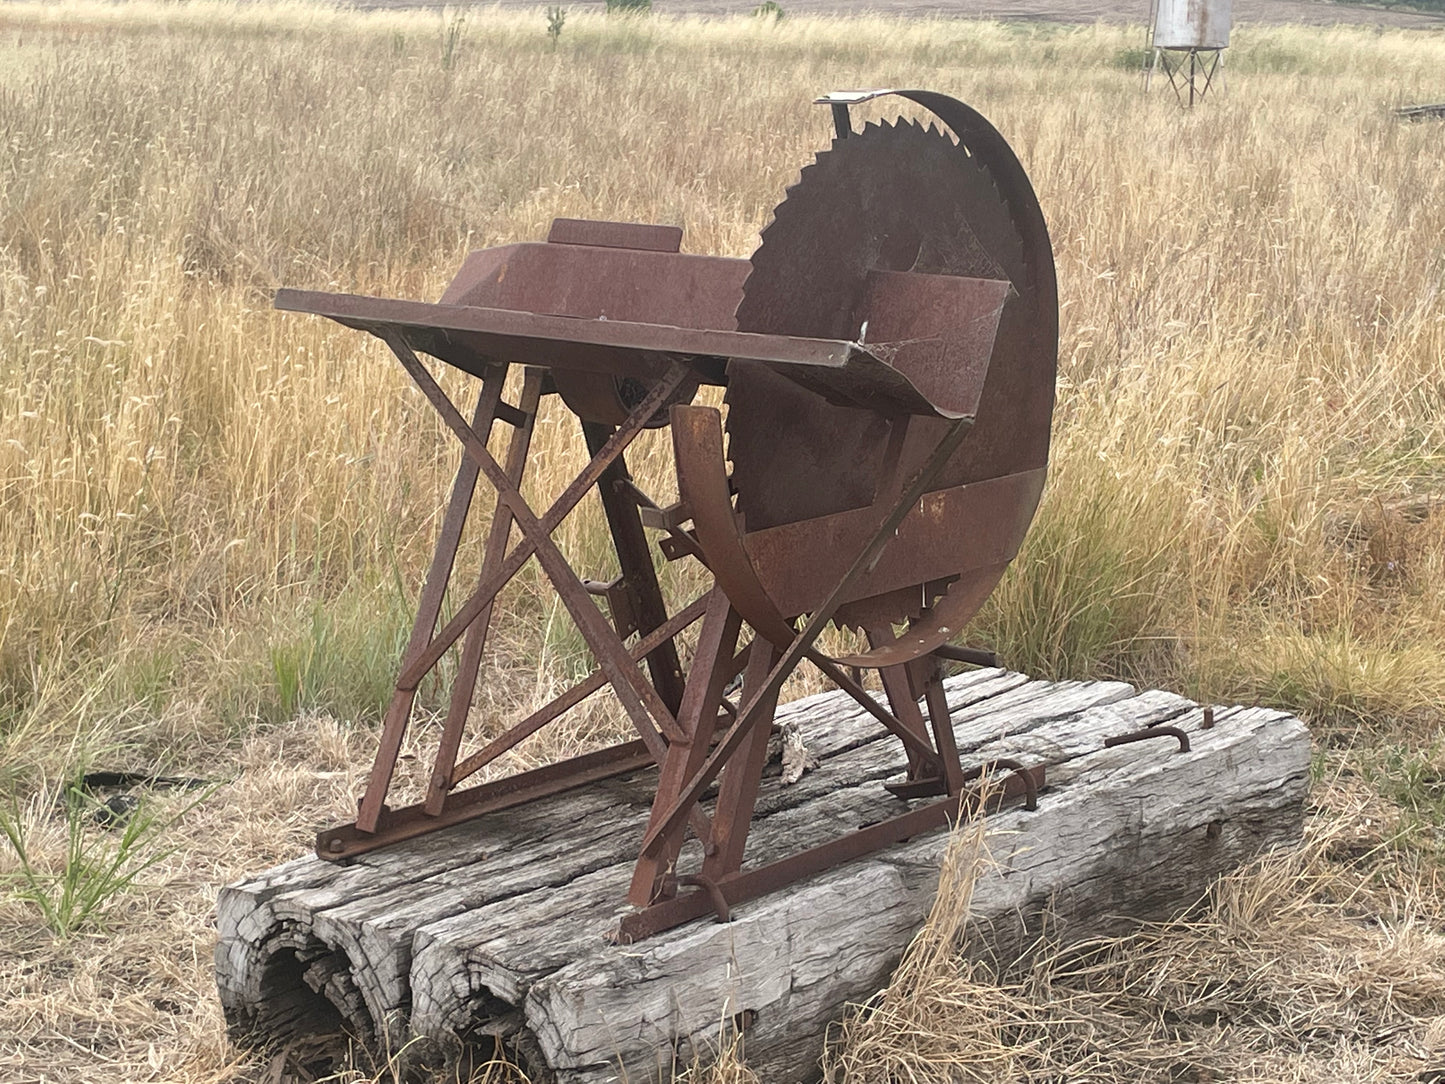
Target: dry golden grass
[[1283, 974], [213, 517]]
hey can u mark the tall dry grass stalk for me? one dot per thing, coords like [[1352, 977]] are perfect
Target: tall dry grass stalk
[[213, 518]]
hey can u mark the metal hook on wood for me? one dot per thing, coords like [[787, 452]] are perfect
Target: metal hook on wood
[[1147, 733]]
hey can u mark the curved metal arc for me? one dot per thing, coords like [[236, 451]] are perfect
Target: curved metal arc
[[703, 486], [940, 622], [752, 712]]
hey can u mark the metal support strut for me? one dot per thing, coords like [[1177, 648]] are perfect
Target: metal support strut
[[886, 358]]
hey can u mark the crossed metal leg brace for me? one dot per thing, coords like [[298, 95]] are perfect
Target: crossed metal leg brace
[[653, 718], [685, 725], [1191, 72]]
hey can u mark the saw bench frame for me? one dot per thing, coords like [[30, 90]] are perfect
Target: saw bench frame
[[621, 324]]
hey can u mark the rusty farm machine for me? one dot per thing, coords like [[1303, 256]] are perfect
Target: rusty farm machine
[[888, 359]]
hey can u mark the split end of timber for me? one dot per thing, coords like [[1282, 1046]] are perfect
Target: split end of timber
[[496, 933]]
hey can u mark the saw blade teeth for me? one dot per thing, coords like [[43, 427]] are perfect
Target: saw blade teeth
[[793, 455], [804, 269]]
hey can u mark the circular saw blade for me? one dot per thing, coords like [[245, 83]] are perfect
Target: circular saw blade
[[894, 197]]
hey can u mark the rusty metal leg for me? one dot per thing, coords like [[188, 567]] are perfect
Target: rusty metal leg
[[639, 577], [915, 742], [565, 502], [902, 698], [927, 672], [698, 719], [756, 708], [464, 686], [638, 698], [738, 787], [398, 712]]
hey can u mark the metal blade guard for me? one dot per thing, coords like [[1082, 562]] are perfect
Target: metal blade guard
[[888, 355]]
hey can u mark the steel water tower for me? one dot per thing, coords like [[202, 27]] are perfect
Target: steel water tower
[[1187, 38]]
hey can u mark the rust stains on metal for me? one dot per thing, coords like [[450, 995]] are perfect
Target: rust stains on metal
[[1146, 734], [888, 359]]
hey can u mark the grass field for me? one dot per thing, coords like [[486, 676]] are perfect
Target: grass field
[[214, 518]]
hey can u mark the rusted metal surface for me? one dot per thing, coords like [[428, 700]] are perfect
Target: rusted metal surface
[[573, 696], [998, 510], [757, 708], [702, 701], [638, 583], [702, 478], [890, 198], [634, 236], [398, 712], [1146, 734], [750, 884], [971, 655], [395, 825], [888, 357], [1028, 778], [464, 686], [906, 725], [470, 338]]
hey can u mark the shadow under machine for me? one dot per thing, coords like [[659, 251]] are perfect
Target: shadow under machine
[[888, 356]]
